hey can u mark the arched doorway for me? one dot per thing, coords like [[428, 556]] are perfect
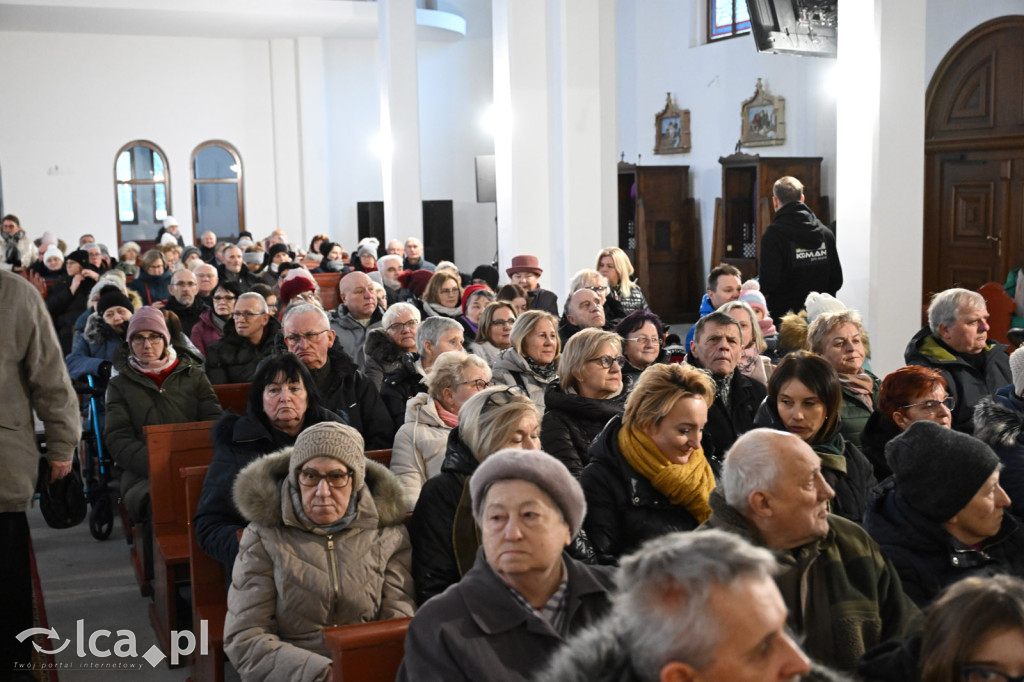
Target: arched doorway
[[974, 159]]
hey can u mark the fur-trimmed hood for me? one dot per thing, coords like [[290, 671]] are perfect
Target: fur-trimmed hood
[[97, 332], [257, 490], [382, 349], [996, 421]]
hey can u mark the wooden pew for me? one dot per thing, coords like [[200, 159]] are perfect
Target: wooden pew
[[380, 457], [209, 601], [368, 652], [171, 447], [233, 397], [329, 294]]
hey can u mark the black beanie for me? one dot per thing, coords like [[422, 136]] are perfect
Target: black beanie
[[112, 298], [939, 470], [79, 256], [487, 274]]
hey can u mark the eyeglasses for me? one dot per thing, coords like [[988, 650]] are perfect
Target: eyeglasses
[[597, 290], [503, 323], [308, 337], [448, 292], [478, 384], [606, 361], [644, 340], [246, 315], [335, 479], [930, 406], [186, 284], [499, 398], [224, 298], [141, 341], [980, 673], [397, 327]]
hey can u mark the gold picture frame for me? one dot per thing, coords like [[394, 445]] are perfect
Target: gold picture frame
[[671, 129], [764, 119]]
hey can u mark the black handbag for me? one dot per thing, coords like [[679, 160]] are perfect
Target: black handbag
[[63, 501]]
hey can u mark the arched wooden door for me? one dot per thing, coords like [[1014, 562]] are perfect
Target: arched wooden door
[[974, 159]]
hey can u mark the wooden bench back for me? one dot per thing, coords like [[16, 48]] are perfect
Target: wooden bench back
[[380, 456], [233, 397], [206, 572], [172, 447], [329, 294], [368, 652]]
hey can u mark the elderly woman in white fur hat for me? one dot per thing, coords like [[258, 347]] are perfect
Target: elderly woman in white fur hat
[[325, 545]]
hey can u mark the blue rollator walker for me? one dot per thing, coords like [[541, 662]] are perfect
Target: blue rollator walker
[[97, 469]]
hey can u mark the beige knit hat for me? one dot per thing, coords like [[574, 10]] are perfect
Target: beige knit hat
[[337, 441]]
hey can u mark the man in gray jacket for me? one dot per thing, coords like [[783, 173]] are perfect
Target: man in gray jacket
[[32, 377], [357, 315]]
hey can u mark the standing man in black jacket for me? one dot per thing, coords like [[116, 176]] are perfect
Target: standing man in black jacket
[[798, 253]]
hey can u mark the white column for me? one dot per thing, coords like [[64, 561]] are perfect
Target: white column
[[313, 140], [286, 131], [399, 119], [522, 136], [880, 170]]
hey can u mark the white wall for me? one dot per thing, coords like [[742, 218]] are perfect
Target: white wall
[[949, 20], [71, 101], [661, 50]]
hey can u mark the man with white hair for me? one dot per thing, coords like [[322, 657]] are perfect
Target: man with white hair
[[844, 596], [583, 311], [207, 247], [389, 267], [396, 248], [414, 259], [357, 314], [687, 607], [956, 343]]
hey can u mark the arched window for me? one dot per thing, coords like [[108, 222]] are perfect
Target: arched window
[[217, 201], [142, 191]]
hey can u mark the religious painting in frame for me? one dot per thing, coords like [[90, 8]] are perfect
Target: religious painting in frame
[[671, 129], [764, 119]]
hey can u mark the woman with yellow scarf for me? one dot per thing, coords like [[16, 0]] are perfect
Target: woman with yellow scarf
[[647, 474]]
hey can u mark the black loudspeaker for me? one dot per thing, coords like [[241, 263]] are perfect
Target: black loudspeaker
[[438, 231], [486, 191], [370, 216]]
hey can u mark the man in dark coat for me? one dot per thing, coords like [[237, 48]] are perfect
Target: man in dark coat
[[955, 343], [233, 269], [942, 515], [414, 259], [524, 595], [583, 311], [844, 595], [345, 391], [184, 301], [248, 338], [716, 347], [798, 253]]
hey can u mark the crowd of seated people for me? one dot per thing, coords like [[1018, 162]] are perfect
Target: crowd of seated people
[[878, 495]]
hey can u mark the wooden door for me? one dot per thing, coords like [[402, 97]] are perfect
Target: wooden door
[[977, 216], [974, 160]]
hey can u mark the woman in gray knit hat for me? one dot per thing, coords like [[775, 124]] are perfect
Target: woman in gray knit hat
[[325, 545], [524, 595], [942, 515]]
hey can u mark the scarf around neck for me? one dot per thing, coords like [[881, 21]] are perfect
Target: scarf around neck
[[861, 385], [450, 419], [547, 372], [156, 366], [688, 485], [438, 310]]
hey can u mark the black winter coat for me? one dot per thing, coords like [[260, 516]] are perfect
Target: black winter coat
[[963, 382], [233, 359], [400, 385], [245, 278], [65, 307], [237, 441], [382, 356], [351, 395], [542, 299], [571, 422], [876, 435], [623, 508], [999, 423], [926, 556], [188, 315], [444, 537], [798, 256], [726, 424], [843, 466]]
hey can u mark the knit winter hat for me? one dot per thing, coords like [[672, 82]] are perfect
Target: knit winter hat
[[1017, 370], [752, 296], [170, 221], [112, 298], [816, 304], [367, 250], [488, 274], [148, 319], [79, 256], [53, 252], [188, 251], [168, 238], [469, 291], [536, 467], [252, 257], [337, 441], [292, 288], [279, 248], [938, 470], [415, 281], [326, 247]]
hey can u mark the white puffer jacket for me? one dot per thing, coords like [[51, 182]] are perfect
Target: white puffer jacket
[[290, 580], [419, 447]]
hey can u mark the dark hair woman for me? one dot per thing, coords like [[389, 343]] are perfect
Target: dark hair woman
[[643, 336], [805, 398], [283, 401], [210, 326]]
